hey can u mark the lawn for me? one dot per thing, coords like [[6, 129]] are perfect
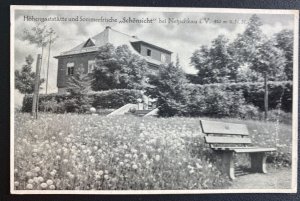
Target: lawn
[[82, 152]]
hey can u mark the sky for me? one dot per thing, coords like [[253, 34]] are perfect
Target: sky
[[181, 39]]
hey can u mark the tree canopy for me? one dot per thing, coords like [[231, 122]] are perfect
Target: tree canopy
[[25, 78], [215, 64], [168, 87], [118, 68]]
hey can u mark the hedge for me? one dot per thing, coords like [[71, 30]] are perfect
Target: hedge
[[111, 99], [254, 93]]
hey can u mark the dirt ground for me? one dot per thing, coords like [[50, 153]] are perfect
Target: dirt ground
[[274, 179]]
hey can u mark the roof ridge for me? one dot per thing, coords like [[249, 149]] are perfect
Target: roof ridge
[[121, 32]]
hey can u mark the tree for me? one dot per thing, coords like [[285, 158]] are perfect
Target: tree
[[52, 37], [168, 87], [177, 64], [24, 79], [217, 63], [78, 87], [39, 35], [118, 68], [246, 43], [284, 41], [79, 83], [269, 61]]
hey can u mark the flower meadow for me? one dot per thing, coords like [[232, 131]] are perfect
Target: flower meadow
[[87, 152]]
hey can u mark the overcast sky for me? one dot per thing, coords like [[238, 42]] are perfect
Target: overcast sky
[[181, 39]]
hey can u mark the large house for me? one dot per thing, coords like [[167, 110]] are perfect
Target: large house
[[83, 55]]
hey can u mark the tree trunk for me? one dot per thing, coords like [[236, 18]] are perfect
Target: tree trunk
[[49, 50], [36, 87], [266, 98]]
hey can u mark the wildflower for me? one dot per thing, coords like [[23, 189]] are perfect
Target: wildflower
[[198, 166], [106, 177], [15, 171], [44, 185], [121, 163], [41, 179], [100, 172], [49, 182], [157, 157], [52, 187], [65, 161], [57, 157], [36, 179], [16, 183], [37, 169], [28, 174], [134, 166], [29, 186], [133, 151]]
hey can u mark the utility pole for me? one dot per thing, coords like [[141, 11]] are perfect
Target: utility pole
[[34, 111], [50, 35]]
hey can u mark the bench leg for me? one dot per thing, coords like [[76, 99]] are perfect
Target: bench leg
[[228, 164], [258, 162]]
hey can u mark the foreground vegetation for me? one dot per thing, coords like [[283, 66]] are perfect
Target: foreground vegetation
[[81, 152]]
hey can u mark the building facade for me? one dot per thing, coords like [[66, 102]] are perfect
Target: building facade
[[83, 55]]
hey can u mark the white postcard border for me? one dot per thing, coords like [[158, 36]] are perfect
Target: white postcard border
[[293, 188]]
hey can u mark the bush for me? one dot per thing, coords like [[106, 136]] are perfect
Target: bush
[[216, 102], [61, 103], [280, 93]]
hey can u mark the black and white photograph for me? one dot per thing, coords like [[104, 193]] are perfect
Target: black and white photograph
[[136, 100]]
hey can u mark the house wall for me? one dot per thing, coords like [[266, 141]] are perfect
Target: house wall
[[79, 60], [155, 54]]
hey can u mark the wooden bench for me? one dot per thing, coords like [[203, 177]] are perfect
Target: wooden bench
[[227, 139]]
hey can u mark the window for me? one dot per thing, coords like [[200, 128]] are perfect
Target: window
[[89, 43], [163, 58], [148, 52], [70, 68], [91, 66]]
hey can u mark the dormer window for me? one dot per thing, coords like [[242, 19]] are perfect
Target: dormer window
[[89, 43], [148, 52]]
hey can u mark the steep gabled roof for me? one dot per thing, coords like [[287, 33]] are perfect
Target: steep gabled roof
[[114, 37]]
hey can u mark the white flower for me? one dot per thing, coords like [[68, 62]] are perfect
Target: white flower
[[29, 186], [157, 157], [49, 182], [44, 185]]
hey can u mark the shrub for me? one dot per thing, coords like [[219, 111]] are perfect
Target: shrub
[[80, 103], [281, 116], [280, 93], [216, 102]]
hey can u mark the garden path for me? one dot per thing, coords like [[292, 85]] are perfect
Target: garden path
[[274, 179]]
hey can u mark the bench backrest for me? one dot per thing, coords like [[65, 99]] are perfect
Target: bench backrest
[[224, 133]]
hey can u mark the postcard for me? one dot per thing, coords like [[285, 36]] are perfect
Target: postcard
[[144, 100]]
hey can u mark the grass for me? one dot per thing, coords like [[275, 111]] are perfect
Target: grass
[[70, 151]]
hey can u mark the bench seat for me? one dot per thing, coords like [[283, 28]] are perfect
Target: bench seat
[[227, 139], [244, 149]]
